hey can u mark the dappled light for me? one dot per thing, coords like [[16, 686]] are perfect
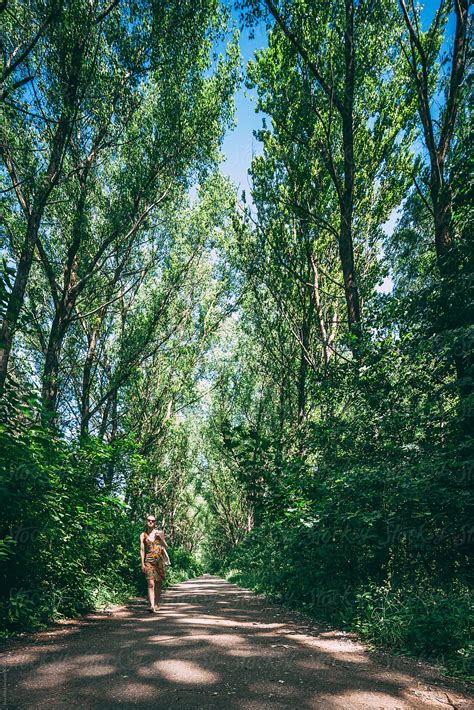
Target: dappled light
[[118, 659]]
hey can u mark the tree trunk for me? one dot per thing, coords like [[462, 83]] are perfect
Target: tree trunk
[[17, 296], [51, 366], [346, 249], [303, 368], [441, 196], [86, 383], [454, 316], [109, 473], [64, 310], [56, 338], [441, 190]]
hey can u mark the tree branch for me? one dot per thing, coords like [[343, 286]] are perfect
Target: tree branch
[[291, 36]]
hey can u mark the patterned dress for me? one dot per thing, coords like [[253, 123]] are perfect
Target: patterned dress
[[154, 558]]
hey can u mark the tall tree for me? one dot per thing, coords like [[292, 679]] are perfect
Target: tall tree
[[439, 98], [317, 82], [34, 142]]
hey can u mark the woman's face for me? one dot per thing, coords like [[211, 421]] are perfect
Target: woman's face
[[150, 521]]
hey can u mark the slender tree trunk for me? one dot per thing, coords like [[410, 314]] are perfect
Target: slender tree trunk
[[281, 421], [104, 420], [303, 368], [64, 310], [86, 382], [15, 301], [319, 311], [250, 522], [171, 523], [441, 193], [51, 365], [346, 255], [346, 248], [441, 196], [449, 269], [110, 469], [57, 334], [345, 107], [50, 380]]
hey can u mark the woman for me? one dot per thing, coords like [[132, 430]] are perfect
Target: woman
[[152, 552]]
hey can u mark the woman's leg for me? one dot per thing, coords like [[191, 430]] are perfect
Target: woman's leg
[[151, 592], [157, 591]]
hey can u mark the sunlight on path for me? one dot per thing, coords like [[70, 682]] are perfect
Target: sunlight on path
[[213, 645]]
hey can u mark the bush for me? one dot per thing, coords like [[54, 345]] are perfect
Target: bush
[[424, 621], [376, 550]]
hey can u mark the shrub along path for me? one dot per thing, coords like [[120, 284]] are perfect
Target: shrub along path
[[212, 645]]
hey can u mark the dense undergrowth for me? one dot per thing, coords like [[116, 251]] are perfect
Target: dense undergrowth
[[68, 545], [415, 615]]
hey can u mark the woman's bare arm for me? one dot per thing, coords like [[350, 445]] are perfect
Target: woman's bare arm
[[142, 549]]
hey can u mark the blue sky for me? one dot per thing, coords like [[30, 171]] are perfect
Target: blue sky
[[239, 144]]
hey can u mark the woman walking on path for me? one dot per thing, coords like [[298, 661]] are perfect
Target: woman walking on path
[[152, 552]]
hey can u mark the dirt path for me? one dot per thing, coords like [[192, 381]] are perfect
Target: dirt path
[[213, 645]]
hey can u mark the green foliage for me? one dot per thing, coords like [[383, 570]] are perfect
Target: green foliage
[[183, 566], [428, 622], [113, 111], [372, 523], [68, 546]]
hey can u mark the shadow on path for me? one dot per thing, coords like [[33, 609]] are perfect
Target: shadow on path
[[212, 645]]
